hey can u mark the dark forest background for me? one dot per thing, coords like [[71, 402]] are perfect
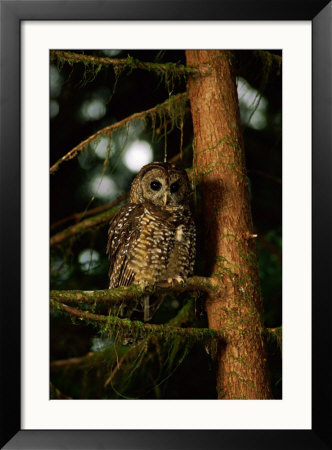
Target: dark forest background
[[84, 100]]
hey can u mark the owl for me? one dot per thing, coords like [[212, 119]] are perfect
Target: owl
[[151, 239]]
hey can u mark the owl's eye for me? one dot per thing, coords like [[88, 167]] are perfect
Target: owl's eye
[[175, 186], [155, 185]]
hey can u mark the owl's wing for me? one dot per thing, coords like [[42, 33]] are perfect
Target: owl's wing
[[123, 233], [192, 245]]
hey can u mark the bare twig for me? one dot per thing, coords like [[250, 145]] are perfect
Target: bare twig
[[266, 175], [115, 370], [71, 361]]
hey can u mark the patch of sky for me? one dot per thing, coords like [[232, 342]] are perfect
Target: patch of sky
[[103, 147], [89, 260], [87, 159], [103, 187], [124, 136], [59, 269], [98, 343], [137, 154], [136, 127], [93, 109], [112, 53], [253, 106]]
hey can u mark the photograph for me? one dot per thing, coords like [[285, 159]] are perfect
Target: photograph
[[165, 197], [165, 224]]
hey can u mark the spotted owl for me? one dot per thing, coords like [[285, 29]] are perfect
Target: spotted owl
[[151, 239]]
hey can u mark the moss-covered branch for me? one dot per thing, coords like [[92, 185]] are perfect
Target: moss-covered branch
[[83, 226], [77, 217], [130, 63], [61, 57], [175, 104], [131, 293], [138, 329], [185, 315]]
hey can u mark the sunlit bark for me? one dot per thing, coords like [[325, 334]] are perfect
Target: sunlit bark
[[219, 168]]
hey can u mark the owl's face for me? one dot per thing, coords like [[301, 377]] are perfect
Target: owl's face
[[162, 184]]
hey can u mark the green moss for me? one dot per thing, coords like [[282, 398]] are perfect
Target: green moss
[[244, 380], [125, 329], [242, 360], [168, 73]]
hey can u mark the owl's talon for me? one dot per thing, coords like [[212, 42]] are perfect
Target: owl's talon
[[142, 284], [178, 279]]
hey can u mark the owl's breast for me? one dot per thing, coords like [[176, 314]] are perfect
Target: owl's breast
[[149, 256], [164, 246]]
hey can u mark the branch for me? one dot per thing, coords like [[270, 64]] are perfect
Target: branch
[[185, 315], [83, 226], [266, 175], [77, 217], [131, 293], [139, 328], [130, 62], [71, 361], [164, 107], [100, 219], [115, 370], [99, 209]]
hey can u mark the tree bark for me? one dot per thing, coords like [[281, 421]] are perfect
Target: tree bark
[[219, 169]]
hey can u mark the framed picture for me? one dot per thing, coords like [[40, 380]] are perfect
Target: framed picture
[[95, 91]]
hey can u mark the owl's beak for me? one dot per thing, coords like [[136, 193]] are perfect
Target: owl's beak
[[165, 199]]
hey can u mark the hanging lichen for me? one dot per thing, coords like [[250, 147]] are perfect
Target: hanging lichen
[[174, 107], [124, 372], [169, 73]]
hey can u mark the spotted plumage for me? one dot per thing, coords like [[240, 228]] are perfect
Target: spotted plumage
[[151, 239]]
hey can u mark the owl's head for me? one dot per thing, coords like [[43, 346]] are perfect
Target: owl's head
[[161, 184]]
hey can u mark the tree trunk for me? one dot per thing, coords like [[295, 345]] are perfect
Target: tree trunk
[[219, 168]]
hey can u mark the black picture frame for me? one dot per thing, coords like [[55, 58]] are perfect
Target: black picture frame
[[12, 13]]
